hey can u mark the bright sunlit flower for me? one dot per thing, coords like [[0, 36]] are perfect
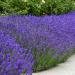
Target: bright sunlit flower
[[43, 1], [24, 0]]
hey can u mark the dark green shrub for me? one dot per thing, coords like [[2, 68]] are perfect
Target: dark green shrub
[[36, 7]]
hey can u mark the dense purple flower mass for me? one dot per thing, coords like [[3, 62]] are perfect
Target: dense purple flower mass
[[56, 32], [14, 60]]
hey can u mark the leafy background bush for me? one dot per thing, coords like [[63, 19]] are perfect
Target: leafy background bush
[[36, 7]]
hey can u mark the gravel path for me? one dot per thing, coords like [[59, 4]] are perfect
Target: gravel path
[[67, 68]]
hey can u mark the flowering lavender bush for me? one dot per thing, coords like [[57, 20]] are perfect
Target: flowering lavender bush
[[14, 60], [51, 38]]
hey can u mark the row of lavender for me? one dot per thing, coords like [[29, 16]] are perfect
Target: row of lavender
[[55, 33], [14, 59]]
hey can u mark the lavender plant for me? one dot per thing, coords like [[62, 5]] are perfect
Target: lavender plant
[[13, 58], [51, 38]]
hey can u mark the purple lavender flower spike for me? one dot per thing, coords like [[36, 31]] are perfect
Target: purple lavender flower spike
[[12, 61]]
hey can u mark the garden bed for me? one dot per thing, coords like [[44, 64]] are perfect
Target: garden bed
[[49, 40]]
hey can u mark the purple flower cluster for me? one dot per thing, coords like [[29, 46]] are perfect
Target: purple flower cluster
[[14, 60], [53, 32]]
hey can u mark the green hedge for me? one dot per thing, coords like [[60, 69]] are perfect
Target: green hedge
[[36, 7]]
